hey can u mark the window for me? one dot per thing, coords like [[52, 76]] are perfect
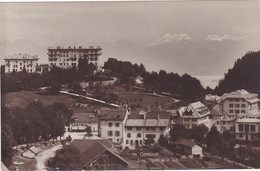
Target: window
[[117, 133], [240, 135], [243, 111], [230, 105], [76, 118], [236, 100], [252, 128], [126, 142], [153, 128], [129, 128], [131, 142], [117, 124], [138, 128], [243, 105], [141, 142], [110, 133], [231, 111], [161, 128], [128, 135], [110, 124], [240, 127], [147, 128], [246, 127], [236, 111], [139, 135], [237, 105]]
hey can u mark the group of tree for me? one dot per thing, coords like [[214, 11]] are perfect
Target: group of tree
[[34, 123], [245, 74], [54, 78], [67, 158], [186, 87]]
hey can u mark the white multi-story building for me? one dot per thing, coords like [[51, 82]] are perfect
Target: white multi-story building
[[19, 62], [239, 103], [83, 120], [247, 129], [194, 114], [68, 57], [111, 124], [139, 125]]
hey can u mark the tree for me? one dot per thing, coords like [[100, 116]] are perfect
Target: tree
[[163, 141], [178, 131], [68, 158], [199, 133], [55, 88], [150, 139], [213, 137]]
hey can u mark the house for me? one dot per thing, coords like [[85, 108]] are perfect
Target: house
[[83, 120], [216, 115], [247, 129], [239, 103], [188, 148], [194, 114], [99, 154], [139, 125], [111, 124], [20, 62]]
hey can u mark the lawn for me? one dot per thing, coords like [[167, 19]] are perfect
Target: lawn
[[23, 98]]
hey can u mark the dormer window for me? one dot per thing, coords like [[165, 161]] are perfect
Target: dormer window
[[76, 118]]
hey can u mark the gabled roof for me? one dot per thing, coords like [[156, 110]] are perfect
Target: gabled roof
[[84, 144], [95, 150], [250, 97], [117, 114], [194, 110], [216, 111], [185, 142], [84, 118]]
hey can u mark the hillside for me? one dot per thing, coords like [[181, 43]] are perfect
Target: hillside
[[244, 75]]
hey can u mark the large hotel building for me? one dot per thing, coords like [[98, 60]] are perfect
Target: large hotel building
[[20, 62], [67, 57]]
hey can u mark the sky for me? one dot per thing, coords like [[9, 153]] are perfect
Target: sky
[[201, 38]]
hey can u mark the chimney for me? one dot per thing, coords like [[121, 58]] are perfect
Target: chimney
[[158, 116]]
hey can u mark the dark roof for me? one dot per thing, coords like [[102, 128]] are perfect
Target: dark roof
[[185, 142], [84, 144], [154, 115], [84, 118], [117, 114], [95, 150]]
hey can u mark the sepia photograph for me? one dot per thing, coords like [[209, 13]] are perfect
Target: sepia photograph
[[130, 85]]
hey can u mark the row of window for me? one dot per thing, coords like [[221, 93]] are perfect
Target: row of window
[[246, 128], [147, 128], [110, 124], [131, 142], [110, 133], [139, 135], [237, 111], [237, 105]]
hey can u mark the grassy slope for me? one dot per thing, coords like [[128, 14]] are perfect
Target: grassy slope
[[23, 98]]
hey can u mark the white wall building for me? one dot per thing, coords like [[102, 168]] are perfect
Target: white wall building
[[83, 120], [139, 125], [18, 62], [247, 129], [67, 57], [194, 114], [239, 103], [111, 124]]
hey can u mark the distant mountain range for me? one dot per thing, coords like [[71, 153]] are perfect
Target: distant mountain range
[[173, 53]]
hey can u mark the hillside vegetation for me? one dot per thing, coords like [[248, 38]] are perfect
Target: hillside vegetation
[[244, 75]]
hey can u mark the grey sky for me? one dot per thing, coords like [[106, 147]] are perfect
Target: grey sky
[[164, 30]]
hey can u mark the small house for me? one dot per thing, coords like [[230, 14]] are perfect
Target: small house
[[188, 148]]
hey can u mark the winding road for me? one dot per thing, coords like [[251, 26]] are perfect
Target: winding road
[[43, 157]]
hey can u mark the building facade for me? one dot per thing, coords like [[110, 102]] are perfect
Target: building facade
[[139, 126], [247, 129], [20, 62], [239, 103], [83, 120], [42, 68], [111, 124], [68, 57], [194, 114]]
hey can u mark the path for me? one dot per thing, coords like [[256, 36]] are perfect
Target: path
[[43, 156]]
